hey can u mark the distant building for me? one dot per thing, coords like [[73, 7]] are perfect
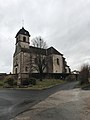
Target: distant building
[[25, 54], [75, 72]]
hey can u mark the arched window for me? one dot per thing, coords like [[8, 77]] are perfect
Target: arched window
[[57, 61], [26, 69], [16, 71], [24, 39], [43, 61], [35, 61]]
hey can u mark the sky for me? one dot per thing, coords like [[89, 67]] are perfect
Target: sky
[[63, 24]]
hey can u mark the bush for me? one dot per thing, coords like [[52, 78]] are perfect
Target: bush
[[6, 85], [25, 81], [70, 78], [32, 81], [29, 81], [9, 81], [14, 83], [1, 83]]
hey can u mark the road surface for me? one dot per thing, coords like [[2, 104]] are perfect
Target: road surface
[[14, 102], [72, 104]]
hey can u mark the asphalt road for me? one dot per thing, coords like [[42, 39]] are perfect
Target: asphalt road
[[14, 102]]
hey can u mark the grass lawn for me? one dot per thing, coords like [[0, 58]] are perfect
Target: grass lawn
[[46, 83]]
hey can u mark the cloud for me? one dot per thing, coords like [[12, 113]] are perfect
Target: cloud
[[64, 24]]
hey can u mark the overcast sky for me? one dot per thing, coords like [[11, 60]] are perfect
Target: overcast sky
[[63, 24]]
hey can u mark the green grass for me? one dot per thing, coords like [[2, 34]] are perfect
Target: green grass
[[1, 83], [46, 83], [79, 85]]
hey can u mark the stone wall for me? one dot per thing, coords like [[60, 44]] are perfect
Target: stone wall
[[2, 76], [14, 76]]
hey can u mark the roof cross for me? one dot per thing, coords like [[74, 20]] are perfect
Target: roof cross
[[22, 23]]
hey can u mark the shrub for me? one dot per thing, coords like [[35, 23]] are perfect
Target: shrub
[[9, 81], [32, 81], [15, 83], [29, 81], [25, 81], [70, 78], [1, 83]]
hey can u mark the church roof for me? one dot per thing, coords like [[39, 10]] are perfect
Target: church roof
[[42, 51], [52, 50], [23, 32], [34, 50], [37, 50]]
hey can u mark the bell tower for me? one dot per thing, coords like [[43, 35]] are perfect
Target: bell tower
[[22, 43], [22, 38]]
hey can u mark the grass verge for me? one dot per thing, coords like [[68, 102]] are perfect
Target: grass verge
[[46, 83], [40, 85], [83, 86]]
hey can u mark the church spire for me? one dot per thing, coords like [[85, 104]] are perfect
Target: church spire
[[22, 23]]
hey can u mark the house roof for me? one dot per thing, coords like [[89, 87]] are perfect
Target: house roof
[[23, 32]]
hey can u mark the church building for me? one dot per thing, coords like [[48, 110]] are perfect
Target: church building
[[25, 55]]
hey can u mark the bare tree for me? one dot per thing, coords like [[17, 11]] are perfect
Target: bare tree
[[39, 42], [40, 59], [84, 74], [30, 62]]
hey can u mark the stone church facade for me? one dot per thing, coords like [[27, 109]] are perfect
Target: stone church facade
[[25, 56]]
